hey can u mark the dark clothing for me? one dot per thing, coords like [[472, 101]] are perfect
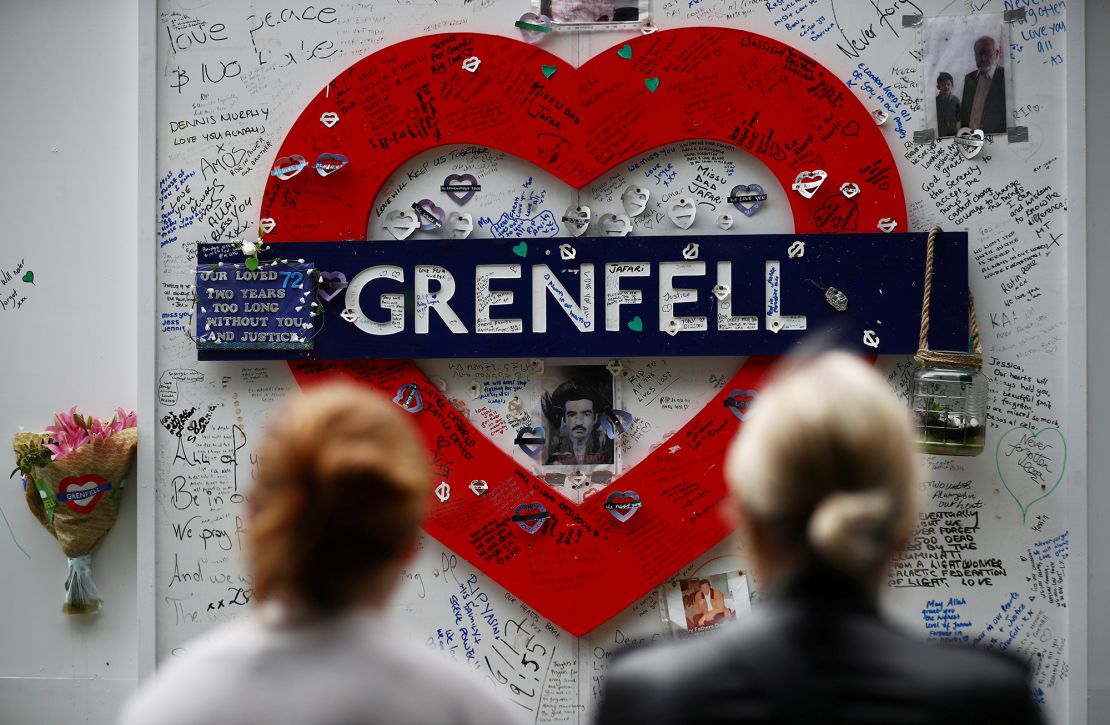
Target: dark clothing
[[948, 114], [815, 655], [994, 110]]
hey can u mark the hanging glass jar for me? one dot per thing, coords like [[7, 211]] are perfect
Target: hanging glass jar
[[949, 393]]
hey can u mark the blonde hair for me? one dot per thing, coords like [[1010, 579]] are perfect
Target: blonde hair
[[826, 461], [341, 489]]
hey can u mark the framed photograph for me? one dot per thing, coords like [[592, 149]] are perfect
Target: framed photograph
[[706, 602], [576, 402], [966, 73], [596, 14]]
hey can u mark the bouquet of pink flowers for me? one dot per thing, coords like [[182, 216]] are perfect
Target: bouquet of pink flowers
[[73, 478]]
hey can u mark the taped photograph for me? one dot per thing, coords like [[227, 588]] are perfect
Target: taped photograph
[[582, 14], [574, 404], [704, 603], [965, 73]]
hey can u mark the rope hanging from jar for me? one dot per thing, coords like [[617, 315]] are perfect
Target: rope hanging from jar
[[931, 358]]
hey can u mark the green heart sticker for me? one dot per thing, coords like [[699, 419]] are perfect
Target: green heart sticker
[[29, 278], [521, 250], [548, 70], [651, 83], [252, 263], [636, 324], [1031, 465], [625, 52]]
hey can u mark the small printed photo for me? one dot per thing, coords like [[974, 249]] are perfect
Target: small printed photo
[[590, 12], [704, 603], [573, 406], [965, 74]]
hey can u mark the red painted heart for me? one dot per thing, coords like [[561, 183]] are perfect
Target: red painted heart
[[568, 568], [81, 493]]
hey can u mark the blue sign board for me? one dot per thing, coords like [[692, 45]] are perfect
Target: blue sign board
[[623, 296], [267, 308]]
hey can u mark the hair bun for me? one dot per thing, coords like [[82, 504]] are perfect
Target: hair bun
[[850, 530]]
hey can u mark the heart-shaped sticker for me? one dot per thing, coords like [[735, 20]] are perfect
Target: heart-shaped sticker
[[267, 225], [460, 188], [401, 223], [636, 324], [348, 314], [870, 339], [530, 516], [329, 119], [887, 224], [635, 200], [683, 212], [747, 198], [81, 493], [521, 249], [460, 225], [625, 51], [614, 367], [648, 28], [471, 64], [739, 402], [577, 218], [533, 27], [615, 225], [287, 167], [691, 251], [431, 216], [408, 397], [329, 163], [478, 487], [567, 252], [548, 70], [652, 84], [880, 116], [849, 189], [808, 182], [29, 277], [724, 221], [968, 142], [722, 292], [623, 504], [531, 440], [1031, 464], [331, 284], [797, 249]]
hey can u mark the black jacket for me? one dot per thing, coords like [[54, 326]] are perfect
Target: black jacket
[[813, 655], [994, 109]]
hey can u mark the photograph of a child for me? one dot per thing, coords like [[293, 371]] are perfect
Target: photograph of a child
[[704, 603], [563, 12], [575, 399], [965, 74]]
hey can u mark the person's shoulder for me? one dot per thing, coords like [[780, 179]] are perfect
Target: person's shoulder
[[202, 660], [459, 693]]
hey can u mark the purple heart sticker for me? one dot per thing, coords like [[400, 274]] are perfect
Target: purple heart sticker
[[333, 284], [327, 164], [739, 401], [751, 194], [623, 504], [530, 516], [460, 187], [430, 216], [533, 36]]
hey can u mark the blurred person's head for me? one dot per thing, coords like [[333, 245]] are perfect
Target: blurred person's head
[[944, 84], [824, 472], [334, 512]]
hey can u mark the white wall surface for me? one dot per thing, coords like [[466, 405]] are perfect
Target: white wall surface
[[68, 211], [1098, 350]]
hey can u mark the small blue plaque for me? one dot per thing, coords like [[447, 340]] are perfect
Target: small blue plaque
[[267, 308]]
